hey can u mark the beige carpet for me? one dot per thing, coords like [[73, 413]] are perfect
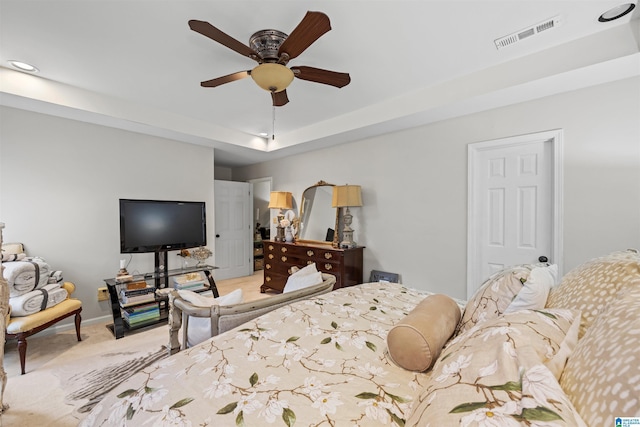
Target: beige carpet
[[56, 365]]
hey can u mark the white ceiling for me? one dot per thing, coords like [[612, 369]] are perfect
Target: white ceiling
[[135, 64]]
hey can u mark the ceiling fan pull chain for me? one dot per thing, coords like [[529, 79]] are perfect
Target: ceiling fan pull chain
[[273, 124]]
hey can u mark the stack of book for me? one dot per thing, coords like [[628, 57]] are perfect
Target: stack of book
[[140, 314], [190, 281], [137, 296]]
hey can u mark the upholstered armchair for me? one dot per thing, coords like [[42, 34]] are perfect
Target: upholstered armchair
[[226, 317]]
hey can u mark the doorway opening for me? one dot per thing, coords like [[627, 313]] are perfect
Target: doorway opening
[[261, 218]]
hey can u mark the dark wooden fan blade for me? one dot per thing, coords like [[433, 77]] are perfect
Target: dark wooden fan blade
[[215, 34], [312, 26], [279, 98], [225, 79], [319, 75]]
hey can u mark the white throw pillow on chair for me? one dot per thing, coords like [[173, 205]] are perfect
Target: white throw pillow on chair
[[309, 269], [199, 328], [303, 278], [205, 299]]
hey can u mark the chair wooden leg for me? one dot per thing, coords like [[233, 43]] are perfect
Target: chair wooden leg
[[22, 336], [22, 350], [78, 320]]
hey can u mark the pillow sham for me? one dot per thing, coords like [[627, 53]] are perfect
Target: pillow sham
[[498, 373], [602, 376], [416, 341], [494, 296], [509, 391], [535, 290], [594, 284]]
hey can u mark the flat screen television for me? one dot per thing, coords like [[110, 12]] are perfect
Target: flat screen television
[[161, 225]]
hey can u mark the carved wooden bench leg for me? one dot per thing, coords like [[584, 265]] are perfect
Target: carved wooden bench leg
[[22, 350], [78, 320]]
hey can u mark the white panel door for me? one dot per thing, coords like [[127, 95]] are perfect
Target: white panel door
[[513, 205], [234, 249]]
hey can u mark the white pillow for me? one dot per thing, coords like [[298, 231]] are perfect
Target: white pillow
[[199, 328], [205, 299], [535, 290], [296, 282], [309, 269]]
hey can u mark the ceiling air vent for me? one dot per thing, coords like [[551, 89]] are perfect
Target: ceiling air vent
[[527, 32]]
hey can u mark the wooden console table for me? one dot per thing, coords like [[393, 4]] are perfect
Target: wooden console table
[[279, 257]]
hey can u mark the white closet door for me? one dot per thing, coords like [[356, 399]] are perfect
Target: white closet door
[[512, 205], [234, 240]]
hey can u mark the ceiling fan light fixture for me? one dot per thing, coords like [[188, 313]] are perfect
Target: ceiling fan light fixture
[[272, 77]]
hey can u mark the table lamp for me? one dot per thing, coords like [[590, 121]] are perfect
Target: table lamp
[[345, 196], [280, 200]]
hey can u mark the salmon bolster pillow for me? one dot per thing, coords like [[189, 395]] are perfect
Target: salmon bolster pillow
[[416, 341]]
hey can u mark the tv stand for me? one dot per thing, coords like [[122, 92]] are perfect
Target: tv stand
[[161, 261], [160, 278]]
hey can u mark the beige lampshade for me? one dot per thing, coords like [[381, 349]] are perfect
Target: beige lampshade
[[346, 196], [280, 200], [272, 77]]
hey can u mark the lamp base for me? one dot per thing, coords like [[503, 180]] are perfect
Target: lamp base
[[347, 239]]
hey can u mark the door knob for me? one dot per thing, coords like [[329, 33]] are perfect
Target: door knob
[[543, 259], [217, 236]]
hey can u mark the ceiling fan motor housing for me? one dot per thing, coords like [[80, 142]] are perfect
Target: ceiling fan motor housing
[[266, 43]]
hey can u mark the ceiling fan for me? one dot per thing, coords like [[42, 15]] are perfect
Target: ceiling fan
[[273, 49]]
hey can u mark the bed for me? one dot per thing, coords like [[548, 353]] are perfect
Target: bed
[[326, 361]]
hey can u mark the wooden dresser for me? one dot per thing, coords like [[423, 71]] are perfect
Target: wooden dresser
[[279, 257]]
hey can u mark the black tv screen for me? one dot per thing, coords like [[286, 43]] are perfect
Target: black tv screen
[[161, 225]]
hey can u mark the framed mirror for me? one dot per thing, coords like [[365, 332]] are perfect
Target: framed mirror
[[318, 219]]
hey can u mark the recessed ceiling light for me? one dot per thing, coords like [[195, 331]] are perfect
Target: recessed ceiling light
[[616, 12], [23, 66], [264, 134]]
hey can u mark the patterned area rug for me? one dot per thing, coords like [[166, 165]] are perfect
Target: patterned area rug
[[84, 390]]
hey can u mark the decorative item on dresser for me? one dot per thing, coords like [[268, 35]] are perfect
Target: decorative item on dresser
[[279, 257], [345, 196], [280, 200]]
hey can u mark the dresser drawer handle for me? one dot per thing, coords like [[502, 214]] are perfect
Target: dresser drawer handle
[[309, 253], [267, 279], [328, 255], [270, 247], [284, 259], [267, 266], [328, 266], [309, 262], [270, 256], [283, 250]]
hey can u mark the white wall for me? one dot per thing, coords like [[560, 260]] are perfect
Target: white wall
[[414, 182], [60, 184], [60, 181]]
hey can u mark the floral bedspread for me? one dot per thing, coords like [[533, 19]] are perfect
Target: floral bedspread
[[317, 362]]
